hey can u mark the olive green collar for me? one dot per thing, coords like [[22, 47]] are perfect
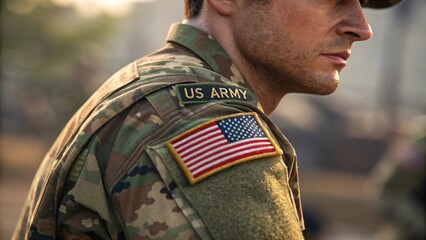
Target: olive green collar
[[208, 49]]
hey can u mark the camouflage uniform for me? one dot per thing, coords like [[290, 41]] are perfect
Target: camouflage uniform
[[114, 173]]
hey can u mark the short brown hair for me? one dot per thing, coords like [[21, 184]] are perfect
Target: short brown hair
[[192, 8]]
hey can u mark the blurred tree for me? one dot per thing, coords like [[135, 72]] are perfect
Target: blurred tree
[[50, 58]]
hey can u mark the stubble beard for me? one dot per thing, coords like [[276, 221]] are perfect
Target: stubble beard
[[277, 67]]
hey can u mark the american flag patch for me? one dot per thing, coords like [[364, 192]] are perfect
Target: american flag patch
[[220, 144]]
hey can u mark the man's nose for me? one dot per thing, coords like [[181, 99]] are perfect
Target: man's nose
[[355, 25]]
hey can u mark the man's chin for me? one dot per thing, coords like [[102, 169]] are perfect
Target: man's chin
[[330, 86], [323, 89], [328, 91], [318, 84]]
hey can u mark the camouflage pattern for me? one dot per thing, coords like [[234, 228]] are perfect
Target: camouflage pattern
[[109, 175], [380, 3]]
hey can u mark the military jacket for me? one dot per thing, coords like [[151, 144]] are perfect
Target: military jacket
[[173, 146]]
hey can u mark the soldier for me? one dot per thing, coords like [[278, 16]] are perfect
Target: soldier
[[178, 144]]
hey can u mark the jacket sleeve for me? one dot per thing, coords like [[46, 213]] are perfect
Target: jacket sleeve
[[139, 205], [248, 200]]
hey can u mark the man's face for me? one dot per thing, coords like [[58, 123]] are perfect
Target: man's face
[[299, 45]]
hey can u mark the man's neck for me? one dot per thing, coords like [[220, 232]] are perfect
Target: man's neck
[[255, 77]]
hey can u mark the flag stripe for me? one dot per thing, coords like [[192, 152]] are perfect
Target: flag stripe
[[225, 149], [230, 159], [206, 134], [189, 136], [200, 151], [217, 137], [223, 153]]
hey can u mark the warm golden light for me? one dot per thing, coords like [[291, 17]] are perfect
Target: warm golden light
[[85, 7]]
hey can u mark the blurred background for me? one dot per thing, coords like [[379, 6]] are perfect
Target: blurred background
[[354, 147]]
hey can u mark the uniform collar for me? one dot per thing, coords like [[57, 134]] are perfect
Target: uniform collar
[[206, 48]]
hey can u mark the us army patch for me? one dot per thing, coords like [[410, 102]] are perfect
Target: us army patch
[[205, 92], [221, 143]]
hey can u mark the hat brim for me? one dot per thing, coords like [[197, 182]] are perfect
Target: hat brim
[[380, 3]]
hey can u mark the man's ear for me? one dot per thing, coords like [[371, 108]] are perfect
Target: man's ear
[[223, 7]]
